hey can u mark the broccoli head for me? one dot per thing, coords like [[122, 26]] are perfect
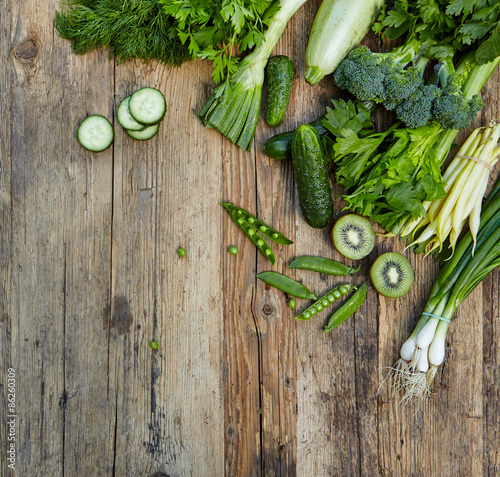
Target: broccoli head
[[379, 77], [453, 111], [360, 74], [418, 110]]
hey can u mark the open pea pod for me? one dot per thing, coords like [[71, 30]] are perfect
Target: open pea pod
[[325, 300], [256, 239], [257, 224]]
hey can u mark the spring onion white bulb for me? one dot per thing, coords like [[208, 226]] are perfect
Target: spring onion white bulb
[[437, 347], [408, 349]]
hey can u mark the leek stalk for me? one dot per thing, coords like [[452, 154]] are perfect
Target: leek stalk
[[233, 109]]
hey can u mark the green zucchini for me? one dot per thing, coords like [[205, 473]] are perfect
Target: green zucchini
[[311, 176], [279, 73], [280, 145]]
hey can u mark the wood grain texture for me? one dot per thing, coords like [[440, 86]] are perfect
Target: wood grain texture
[[89, 275]]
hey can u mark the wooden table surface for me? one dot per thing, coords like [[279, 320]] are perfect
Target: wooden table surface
[[89, 275]]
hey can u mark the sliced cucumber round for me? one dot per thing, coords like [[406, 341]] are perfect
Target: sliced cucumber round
[[125, 118], [145, 134], [95, 133], [147, 106]]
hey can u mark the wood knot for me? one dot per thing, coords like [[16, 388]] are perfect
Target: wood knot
[[26, 50], [267, 309]]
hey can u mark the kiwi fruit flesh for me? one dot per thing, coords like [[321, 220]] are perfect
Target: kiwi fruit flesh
[[353, 236], [392, 274]]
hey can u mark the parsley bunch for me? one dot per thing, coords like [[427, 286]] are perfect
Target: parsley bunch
[[171, 31], [212, 30]]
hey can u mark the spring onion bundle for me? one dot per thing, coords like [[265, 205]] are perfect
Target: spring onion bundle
[[424, 351], [466, 180], [234, 107]]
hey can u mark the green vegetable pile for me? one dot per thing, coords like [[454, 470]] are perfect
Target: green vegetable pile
[[171, 31], [389, 174]]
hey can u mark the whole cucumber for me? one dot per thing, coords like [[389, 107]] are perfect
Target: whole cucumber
[[279, 72], [279, 146], [311, 175]]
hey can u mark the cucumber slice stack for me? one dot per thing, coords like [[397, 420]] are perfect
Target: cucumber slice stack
[[140, 113]]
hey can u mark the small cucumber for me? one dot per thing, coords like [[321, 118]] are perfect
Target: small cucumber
[[279, 72], [280, 145], [311, 175]]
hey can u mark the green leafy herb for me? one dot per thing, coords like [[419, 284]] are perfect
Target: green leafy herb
[[171, 31], [130, 28]]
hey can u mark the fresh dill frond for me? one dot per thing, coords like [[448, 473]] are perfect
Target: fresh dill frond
[[130, 28]]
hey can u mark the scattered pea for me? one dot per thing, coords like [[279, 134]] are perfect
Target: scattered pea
[[182, 252], [233, 250], [291, 303], [154, 344]]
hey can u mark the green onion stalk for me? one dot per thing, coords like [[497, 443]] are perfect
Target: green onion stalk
[[233, 109], [424, 351]]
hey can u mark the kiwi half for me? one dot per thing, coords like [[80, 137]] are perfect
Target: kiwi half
[[353, 236], [392, 274]]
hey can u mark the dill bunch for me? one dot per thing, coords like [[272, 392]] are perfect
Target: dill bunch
[[130, 28]]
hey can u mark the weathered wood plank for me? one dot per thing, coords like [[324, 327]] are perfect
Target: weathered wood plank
[[59, 247], [6, 318], [166, 195]]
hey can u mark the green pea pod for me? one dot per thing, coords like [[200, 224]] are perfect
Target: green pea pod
[[287, 285], [256, 239], [325, 300], [256, 223], [347, 309], [322, 265]]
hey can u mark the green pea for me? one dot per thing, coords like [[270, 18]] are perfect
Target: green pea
[[251, 232], [182, 252], [291, 303], [262, 228], [337, 294], [250, 220], [240, 221], [233, 250], [154, 344]]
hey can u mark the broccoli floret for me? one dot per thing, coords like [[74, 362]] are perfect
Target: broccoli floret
[[380, 77], [453, 111], [360, 74], [401, 83], [417, 110]]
